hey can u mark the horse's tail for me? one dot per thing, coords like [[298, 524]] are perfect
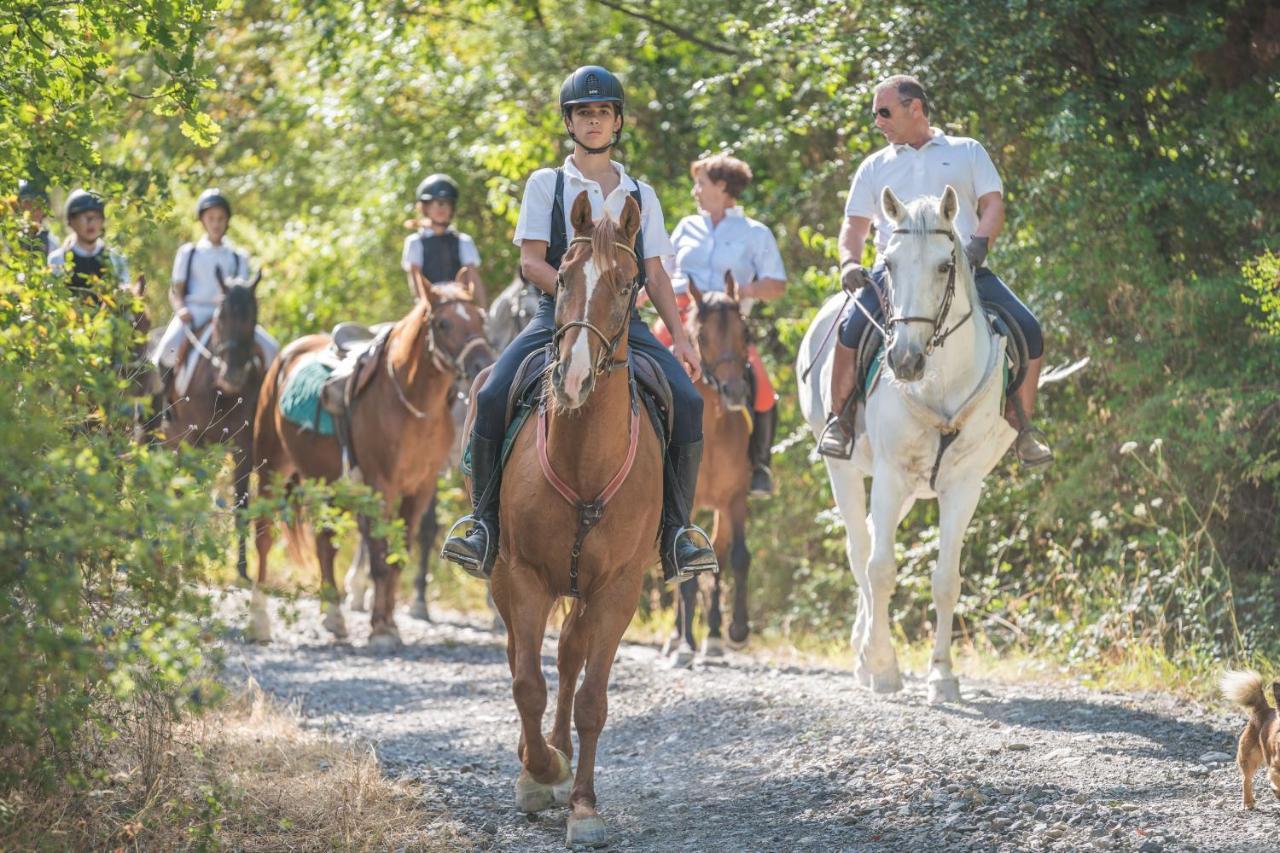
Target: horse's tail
[[1065, 371], [296, 535]]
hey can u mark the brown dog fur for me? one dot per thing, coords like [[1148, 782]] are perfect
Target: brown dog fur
[[1260, 740]]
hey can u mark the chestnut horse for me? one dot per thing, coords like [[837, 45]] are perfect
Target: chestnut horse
[[222, 393], [590, 441], [401, 434], [724, 479]]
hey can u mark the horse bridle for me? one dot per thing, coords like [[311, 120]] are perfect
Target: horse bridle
[[446, 362], [939, 336], [214, 356], [606, 361], [709, 367]]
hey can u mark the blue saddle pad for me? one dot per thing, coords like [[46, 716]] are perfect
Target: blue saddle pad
[[300, 400]]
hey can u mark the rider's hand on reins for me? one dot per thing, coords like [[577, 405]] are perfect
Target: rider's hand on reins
[[854, 276]]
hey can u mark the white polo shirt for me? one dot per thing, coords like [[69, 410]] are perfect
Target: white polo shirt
[[202, 290], [911, 173], [468, 254], [704, 252], [534, 222]]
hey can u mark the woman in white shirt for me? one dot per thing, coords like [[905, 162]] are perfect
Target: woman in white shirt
[[719, 239]]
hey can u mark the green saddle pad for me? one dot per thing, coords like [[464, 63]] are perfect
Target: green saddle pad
[[300, 401]]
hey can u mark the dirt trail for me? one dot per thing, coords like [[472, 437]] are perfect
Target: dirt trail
[[747, 756]]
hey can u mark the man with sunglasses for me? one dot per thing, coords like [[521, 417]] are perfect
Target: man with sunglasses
[[921, 160]]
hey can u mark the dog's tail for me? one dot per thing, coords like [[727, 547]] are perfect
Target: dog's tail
[[1244, 687]]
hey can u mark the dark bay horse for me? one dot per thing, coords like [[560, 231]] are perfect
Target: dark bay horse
[[724, 479], [590, 443], [401, 435], [222, 393]]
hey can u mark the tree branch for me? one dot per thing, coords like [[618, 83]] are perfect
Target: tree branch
[[684, 34]]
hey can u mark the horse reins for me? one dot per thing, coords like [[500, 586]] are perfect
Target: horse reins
[[444, 361]]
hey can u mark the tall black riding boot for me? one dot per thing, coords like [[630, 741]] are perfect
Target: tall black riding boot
[[476, 551], [682, 556], [760, 450]]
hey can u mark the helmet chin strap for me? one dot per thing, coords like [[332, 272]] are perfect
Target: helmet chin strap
[[614, 139]]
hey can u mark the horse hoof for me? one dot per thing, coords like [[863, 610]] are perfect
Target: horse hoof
[[586, 831], [534, 796], [862, 676], [672, 643], [418, 610], [384, 642], [335, 624], [682, 659], [944, 690], [713, 647], [355, 603], [889, 682], [736, 645]]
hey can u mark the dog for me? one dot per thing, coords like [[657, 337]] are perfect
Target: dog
[[1260, 740]]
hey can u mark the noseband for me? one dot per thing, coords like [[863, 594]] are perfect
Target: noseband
[[606, 362], [939, 336]]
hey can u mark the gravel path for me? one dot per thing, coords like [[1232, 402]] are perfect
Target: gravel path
[[746, 756]]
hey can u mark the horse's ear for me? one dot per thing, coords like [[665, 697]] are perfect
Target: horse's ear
[[630, 222], [730, 285], [253, 285], [467, 283], [222, 281], [893, 208], [950, 204], [695, 293], [580, 214]]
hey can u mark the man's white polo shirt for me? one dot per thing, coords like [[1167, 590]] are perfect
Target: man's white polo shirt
[[535, 209], [911, 173]]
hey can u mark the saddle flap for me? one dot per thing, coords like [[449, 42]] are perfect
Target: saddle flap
[[651, 379], [355, 370], [528, 377]]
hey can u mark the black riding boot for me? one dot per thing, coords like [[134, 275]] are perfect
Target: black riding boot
[[682, 556], [476, 551], [760, 450]]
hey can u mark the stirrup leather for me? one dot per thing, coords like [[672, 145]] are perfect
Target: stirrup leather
[[468, 564]]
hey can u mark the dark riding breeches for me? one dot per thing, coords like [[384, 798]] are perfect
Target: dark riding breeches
[[990, 288], [491, 400]]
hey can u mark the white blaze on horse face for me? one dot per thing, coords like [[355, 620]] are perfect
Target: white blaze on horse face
[[580, 356]]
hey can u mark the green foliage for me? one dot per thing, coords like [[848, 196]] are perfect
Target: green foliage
[[1262, 275]]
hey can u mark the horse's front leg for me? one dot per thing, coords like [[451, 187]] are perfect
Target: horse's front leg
[[428, 527], [740, 561], [682, 655], [955, 509], [888, 495], [243, 453]]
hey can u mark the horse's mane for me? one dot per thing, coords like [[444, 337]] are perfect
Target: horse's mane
[[451, 290], [603, 251]]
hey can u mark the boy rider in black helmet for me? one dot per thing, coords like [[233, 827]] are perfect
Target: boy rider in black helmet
[[591, 102]]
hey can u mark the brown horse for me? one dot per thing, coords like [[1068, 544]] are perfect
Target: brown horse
[[401, 432], [590, 443], [222, 393], [724, 479]]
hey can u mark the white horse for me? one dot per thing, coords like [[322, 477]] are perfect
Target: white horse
[[933, 426]]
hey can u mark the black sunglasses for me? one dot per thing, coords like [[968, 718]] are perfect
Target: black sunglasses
[[884, 112]]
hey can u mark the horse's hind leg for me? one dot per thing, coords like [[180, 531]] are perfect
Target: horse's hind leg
[[428, 527], [851, 499], [357, 577], [325, 553], [605, 620], [383, 634], [244, 467], [955, 509]]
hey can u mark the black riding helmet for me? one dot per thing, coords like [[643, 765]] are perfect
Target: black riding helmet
[[81, 200], [438, 187], [591, 84], [212, 197], [30, 190]]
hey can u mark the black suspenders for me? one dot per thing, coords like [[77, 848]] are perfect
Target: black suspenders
[[559, 243]]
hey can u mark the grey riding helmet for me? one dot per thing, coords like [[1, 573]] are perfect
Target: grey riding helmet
[[212, 197], [591, 84], [438, 187], [81, 200]]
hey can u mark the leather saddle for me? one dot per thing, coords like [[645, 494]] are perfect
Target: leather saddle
[[527, 389], [870, 348], [353, 353]]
